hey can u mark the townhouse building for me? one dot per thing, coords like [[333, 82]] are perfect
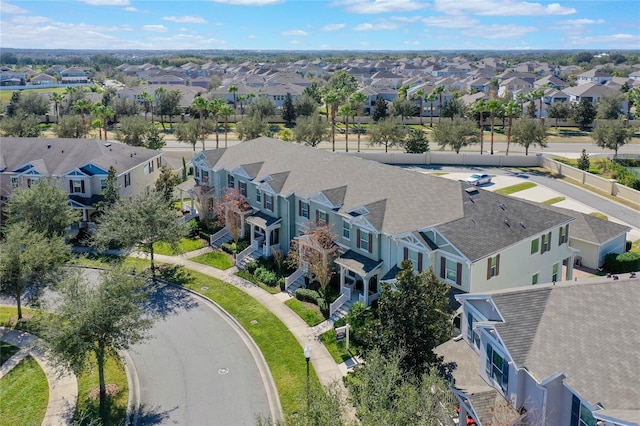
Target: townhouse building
[[564, 354], [475, 240], [78, 166]]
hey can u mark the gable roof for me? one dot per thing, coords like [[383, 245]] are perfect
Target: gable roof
[[590, 228], [547, 328]]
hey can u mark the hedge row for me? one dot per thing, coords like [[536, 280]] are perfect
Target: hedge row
[[624, 262]]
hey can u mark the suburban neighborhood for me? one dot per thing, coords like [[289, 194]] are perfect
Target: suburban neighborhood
[[441, 239]]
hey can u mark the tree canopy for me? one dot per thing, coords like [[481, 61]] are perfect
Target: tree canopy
[[612, 135], [456, 134], [386, 132], [529, 132], [311, 130]]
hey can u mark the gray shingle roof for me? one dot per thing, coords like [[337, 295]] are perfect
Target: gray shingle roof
[[492, 221], [588, 330], [590, 228], [59, 156]]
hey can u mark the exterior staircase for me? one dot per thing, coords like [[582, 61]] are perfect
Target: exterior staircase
[[342, 311], [219, 238], [246, 257], [296, 284]]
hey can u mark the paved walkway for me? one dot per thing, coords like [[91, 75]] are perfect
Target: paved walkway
[[326, 368], [63, 388]]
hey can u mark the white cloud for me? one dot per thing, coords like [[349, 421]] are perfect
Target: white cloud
[[11, 8], [296, 42], [582, 21], [185, 19], [411, 43], [380, 6], [618, 41], [510, 31], [408, 19], [294, 33], [448, 22], [131, 9], [332, 27], [107, 2], [376, 27], [155, 28], [501, 8], [251, 36], [249, 2]]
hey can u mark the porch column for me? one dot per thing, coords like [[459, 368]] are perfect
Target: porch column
[[569, 273], [341, 279], [192, 207], [242, 232], [85, 215], [251, 235], [267, 237], [365, 287]]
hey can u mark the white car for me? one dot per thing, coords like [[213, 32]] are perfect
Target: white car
[[477, 179]]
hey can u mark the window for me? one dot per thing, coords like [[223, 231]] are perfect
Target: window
[[205, 176], [76, 186], [230, 181], [493, 266], [497, 368], [243, 188], [14, 182], [346, 230], [150, 166], [546, 243], [472, 335], [303, 209], [534, 279], [127, 179], [268, 202], [452, 270], [564, 235], [103, 184], [580, 414], [197, 172], [414, 257], [159, 162], [146, 169], [535, 245], [321, 218], [363, 241], [554, 275], [258, 196]]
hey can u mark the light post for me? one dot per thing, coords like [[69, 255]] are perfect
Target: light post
[[307, 356]]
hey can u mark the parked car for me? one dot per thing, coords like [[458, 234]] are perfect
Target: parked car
[[477, 179]]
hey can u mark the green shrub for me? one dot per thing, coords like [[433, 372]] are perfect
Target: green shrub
[[324, 306], [252, 266], [307, 295], [228, 248], [624, 262], [281, 283], [266, 276]]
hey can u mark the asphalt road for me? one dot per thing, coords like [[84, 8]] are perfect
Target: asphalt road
[[197, 369]]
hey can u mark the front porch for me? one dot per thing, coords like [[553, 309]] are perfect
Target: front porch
[[359, 277], [264, 233]]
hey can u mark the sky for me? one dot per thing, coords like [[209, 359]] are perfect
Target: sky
[[321, 24]]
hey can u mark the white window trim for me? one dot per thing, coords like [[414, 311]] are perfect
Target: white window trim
[[347, 229]]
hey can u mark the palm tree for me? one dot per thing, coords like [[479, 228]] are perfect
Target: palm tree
[[146, 100], [70, 91], [241, 100], [402, 92], [521, 98], [511, 110], [438, 91], [493, 107], [538, 94], [214, 106], [226, 111], [480, 107], [419, 95], [83, 106], [332, 100], [347, 111], [103, 112], [158, 93], [358, 100], [431, 97], [57, 99], [233, 89], [201, 104]]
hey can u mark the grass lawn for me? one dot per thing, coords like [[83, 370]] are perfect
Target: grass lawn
[[516, 188], [337, 350], [309, 312], [114, 372], [24, 394], [5, 95], [553, 200], [216, 259], [184, 246], [599, 215], [249, 277], [7, 350]]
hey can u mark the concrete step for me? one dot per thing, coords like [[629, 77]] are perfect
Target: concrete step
[[222, 240]]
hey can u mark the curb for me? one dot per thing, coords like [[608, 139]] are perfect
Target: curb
[[133, 406]]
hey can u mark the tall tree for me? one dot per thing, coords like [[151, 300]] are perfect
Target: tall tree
[[97, 320], [30, 260], [583, 113], [346, 111], [332, 99], [154, 139], [225, 112], [42, 208], [69, 126], [478, 110], [140, 221], [559, 111], [214, 106], [493, 107], [511, 110], [288, 110], [529, 132], [358, 99], [57, 99], [419, 96], [104, 113], [414, 318], [132, 131], [111, 191], [539, 96], [583, 162], [609, 106], [147, 101], [311, 130], [188, 132], [305, 105], [403, 107], [201, 105], [431, 98], [251, 127], [456, 134], [83, 106], [166, 183], [386, 132], [233, 89], [231, 207], [439, 90], [612, 135], [21, 127], [453, 108], [416, 142], [380, 110]]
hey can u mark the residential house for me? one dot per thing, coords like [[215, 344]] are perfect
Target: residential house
[[596, 76], [43, 79], [78, 166], [73, 75], [474, 239], [591, 92], [564, 354]]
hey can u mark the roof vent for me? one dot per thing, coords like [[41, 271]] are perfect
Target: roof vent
[[522, 224], [48, 146], [502, 206], [107, 145], [506, 222], [131, 155]]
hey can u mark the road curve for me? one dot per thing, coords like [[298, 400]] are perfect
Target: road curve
[[200, 367]]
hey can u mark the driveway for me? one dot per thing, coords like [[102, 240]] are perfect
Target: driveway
[[200, 368]]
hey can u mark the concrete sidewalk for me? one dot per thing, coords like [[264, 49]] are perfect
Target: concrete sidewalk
[[63, 388], [326, 368]]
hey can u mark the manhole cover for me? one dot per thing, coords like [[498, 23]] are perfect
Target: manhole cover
[[204, 287], [253, 322], [223, 371]]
